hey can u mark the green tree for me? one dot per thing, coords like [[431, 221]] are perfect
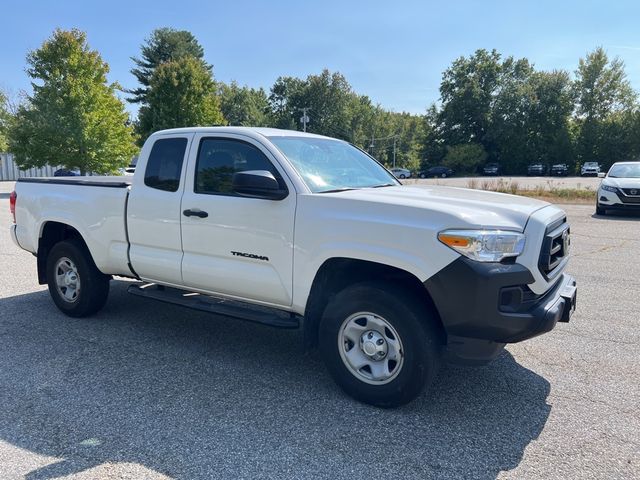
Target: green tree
[[244, 106], [73, 117], [465, 158], [467, 92], [164, 45], [327, 96], [284, 94], [603, 92], [5, 117], [181, 94]]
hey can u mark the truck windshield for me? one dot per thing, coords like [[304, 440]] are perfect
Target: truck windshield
[[328, 165]]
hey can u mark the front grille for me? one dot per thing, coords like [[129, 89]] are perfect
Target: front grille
[[555, 248], [630, 195]]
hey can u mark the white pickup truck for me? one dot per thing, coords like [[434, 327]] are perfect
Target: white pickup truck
[[299, 230]]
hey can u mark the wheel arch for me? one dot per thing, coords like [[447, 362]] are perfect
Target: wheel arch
[[51, 233], [337, 273]]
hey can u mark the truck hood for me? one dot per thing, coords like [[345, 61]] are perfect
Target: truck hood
[[472, 208]]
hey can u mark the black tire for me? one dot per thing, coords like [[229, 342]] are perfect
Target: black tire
[[422, 175], [94, 285], [444, 175], [402, 176], [414, 323], [600, 210]]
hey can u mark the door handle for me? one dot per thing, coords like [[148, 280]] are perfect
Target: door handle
[[195, 213]]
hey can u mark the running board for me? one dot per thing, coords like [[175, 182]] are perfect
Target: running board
[[219, 306]]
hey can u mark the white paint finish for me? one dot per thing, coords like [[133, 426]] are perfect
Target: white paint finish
[[153, 218], [342, 225], [248, 225], [395, 226], [535, 231], [95, 212]]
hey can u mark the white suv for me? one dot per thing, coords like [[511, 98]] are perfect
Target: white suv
[[590, 168]]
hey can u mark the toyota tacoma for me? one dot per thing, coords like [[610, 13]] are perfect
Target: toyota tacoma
[[296, 230]]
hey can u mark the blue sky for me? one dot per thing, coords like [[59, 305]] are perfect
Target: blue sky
[[394, 52]]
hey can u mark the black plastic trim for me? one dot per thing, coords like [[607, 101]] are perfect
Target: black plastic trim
[[82, 183], [467, 295]]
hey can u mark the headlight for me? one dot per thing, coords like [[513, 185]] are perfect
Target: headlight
[[484, 245], [609, 188]]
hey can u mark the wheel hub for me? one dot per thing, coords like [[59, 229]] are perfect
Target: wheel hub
[[70, 278], [373, 345]]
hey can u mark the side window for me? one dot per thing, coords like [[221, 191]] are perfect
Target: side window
[[219, 159], [165, 164]]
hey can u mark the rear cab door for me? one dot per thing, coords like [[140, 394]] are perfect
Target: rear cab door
[[153, 211], [243, 248]]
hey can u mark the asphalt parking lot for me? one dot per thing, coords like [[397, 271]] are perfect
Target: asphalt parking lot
[[148, 390]]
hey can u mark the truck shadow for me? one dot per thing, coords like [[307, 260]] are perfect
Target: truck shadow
[[190, 395]]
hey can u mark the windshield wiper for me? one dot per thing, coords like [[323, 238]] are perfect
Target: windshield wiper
[[343, 189], [384, 185]]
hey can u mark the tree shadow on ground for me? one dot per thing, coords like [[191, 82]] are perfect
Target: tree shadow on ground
[[192, 395]]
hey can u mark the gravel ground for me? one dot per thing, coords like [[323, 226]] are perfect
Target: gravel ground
[[148, 390]]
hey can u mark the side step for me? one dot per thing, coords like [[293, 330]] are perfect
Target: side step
[[219, 306]]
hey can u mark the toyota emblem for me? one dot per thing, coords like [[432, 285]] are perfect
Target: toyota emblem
[[633, 192]]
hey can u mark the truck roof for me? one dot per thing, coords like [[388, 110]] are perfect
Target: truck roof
[[248, 131]]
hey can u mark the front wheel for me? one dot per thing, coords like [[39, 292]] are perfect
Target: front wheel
[[379, 343], [76, 285], [600, 210], [402, 176]]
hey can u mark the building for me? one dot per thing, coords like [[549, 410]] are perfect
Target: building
[[10, 171]]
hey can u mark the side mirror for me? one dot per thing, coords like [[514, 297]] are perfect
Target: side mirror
[[258, 184], [601, 174]]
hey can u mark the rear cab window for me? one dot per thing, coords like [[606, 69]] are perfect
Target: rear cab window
[[164, 165]]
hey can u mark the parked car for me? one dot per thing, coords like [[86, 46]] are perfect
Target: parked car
[[386, 279], [560, 170], [590, 169], [537, 170], [401, 173], [620, 188], [442, 172], [492, 169], [63, 172]]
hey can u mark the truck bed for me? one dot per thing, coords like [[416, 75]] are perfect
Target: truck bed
[[94, 206]]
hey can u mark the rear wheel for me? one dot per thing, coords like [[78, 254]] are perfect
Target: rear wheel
[[379, 343], [76, 285], [402, 176]]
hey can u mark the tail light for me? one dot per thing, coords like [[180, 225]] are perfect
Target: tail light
[[12, 204]]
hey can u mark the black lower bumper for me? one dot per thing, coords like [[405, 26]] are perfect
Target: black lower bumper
[[621, 207], [483, 306]]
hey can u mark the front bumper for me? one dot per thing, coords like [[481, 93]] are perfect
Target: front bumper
[[483, 306], [614, 201]]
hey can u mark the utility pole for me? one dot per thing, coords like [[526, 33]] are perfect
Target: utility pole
[[304, 119], [394, 152]]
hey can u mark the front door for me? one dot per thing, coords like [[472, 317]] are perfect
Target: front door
[[234, 245]]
